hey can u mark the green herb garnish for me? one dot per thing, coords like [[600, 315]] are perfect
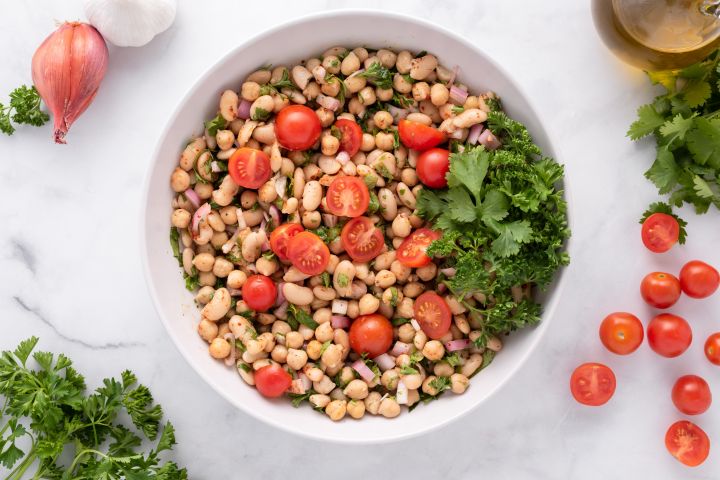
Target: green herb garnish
[[378, 75], [24, 108]]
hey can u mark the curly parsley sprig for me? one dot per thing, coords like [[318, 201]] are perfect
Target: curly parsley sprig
[[24, 108]]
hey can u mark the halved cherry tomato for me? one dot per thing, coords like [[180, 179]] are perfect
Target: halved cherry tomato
[[412, 250], [660, 232], [272, 380], [698, 279], [592, 384], [418, 136], [712, 348], [621, 333], [308, 253], [432, 165], [361, 239], [688, 443], [347, 197], [297, 127], [249, 167], [280, 237], [669, 335], [351, 136], [660, 290], [433, 314], [259, 292], [371, 334], [691, 395]]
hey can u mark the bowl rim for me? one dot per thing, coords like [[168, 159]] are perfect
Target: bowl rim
[[548, 308]]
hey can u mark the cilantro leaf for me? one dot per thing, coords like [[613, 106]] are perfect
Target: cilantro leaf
[[664, 173], [215, 124], [469, 169], [703, 141], [648, 121]]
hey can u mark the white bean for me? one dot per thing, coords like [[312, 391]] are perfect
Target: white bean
[[297, 295], [312, 195], [218, 306]]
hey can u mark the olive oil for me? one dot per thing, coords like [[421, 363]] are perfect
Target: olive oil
[[658, 34]]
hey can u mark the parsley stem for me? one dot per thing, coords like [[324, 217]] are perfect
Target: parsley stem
[[19, 471], [82, 454]]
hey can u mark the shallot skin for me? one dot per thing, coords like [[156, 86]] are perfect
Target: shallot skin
[[67, 69]]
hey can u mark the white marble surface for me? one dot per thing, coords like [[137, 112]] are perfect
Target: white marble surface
[[71, 271]]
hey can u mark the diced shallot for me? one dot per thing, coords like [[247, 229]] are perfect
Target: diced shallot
[[474, 134], [448, 272], [397, 113], [305, 381], [489, 141], [340, 321], [275, 216], [455, 345], [457, 134], [251, 267], [458, 95], [402, 393], [215, 167], [339, 306], [281, 311], [230, 359], [455, 70], [280, 298], [364, 371], [244, 109], [329, 220], [328, 102], [343, 157], [384, 361], [200, 215], [192, 197], [234, 292], [415, 324], [400, 348]]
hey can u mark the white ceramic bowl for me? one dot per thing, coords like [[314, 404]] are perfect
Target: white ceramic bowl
[[284, 45]]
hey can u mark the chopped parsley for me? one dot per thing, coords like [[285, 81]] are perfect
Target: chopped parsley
[[378, 75], [217, 123], [343, 280], [297, 316], [400, 321], [260, 114]]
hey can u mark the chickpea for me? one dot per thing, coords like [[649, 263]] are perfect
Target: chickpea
[[433, 350], [225, 139], [319, 400], [439, 94], [372, 402], [325, 385], [389, 408], [336, 410], [412, 381], [356, 409], [384, 94], [324, 332], [420, 340], [459, 383], [382, 119], [204, 295], [427, 272], [203, 190], [357, 390], [181, 218], [208, 330], [406, 333], [428, 387], [368, 304], [402, 63], [391, 296], [420, 91], [409, 177], [331, 64], [266, 266], [384, 260], [279, 353], [389, 379], [222, 267], [322, 315], [267, 192], [314, 349], [443, 369], [236, 279], [332, 356], [296, 359], [180, 180], [366, 96], [250, 91], [368, 142], [204, 262], [384, 279], [350, 64], [401, 84], [219, 348], [385, 141], [329, 145], [294, 340]]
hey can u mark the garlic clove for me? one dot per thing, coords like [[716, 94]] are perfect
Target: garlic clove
[[130, 23]]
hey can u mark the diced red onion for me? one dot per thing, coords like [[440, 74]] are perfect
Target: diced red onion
[[384, 361], [305, 381], [415, 324], [263, 224], [402, 393], [455, 70], [441, 288], [400, 348], [455, 345], [458, 95], [343, 157], [244, 109], [280, 298], [329, 220], [339, 306], [448, 272], [281, 311], [275, 216], [328, 102], [251, 267], [489, 141], [340, 321], [230, 359], [397, 113], [457, 134], [364, 371], [215, 167], [192, 197], [280, 185], [200, 215], [234, 292], [474, 134]]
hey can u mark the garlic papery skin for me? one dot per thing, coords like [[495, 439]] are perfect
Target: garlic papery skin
[[67, 69], [130, 23]]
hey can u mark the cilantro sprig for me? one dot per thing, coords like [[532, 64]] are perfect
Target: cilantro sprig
[[24, 108], [48, 406]]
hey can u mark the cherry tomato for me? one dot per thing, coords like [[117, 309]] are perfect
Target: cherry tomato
[[433, 314], [621, 333], [351, 136], [691, 395], [347, 197], [272, 381], [688, 443], [432, 165], [712, 348], [698, 279], [417, 136], [361, 239], [669, 335], [592, 384], [308, 253], [371, 334], [660, 290], [280, 237], [660, 232], [259, 292], [297, 127], [249, 167], [412, 250]]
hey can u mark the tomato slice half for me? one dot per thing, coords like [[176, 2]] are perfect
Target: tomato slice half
[[361, 239], [280, 237], [592, 384], [308, 253], [351, 136], [249, 167], [688, 443], [412, 250], [660, 232], [418, 136], [433, 314], [347, 197]]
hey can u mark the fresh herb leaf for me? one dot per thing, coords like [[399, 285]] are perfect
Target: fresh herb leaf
[[440, 384], [343, 280], [397, 321], [217, 123], [378, 75], [300, 316], [260, 114], [24, 108], [326, 281]]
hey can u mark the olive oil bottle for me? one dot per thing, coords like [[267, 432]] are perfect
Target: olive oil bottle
[[659, 34]]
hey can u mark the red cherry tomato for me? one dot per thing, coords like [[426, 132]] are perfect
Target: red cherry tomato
[[712, 348], [691, 395], [347, 197], [297, 127], [660, 232], [669, 335], [371, 334], [621, 333], [660, 290], [432, 165], [362, 240], [433, 314], [412, 250], [688, 443], [259, 292], [249, 167], [351, 136], [592, 384], [308, 253], [417, 136], [272, 381], [698, 279], [280, 237]]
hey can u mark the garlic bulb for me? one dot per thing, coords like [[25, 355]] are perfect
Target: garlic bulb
[[130, 23]]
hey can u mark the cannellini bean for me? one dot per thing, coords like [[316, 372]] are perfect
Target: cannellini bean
[[343, 278], [261, 107], [228, 105], [312, 195], [297, 295], [266, 266], [246, 132], [403, 62], [469, 118], [388, 203], [319, 400], [324, 293], [252, 246], [455, 306], [401, 226], [300, 76], [218, 306], [264, 134], [329, 165], [294, 275], [419, 118], [494, 344], [421, 68], [191, 153], [372, 402], [472, 364]]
